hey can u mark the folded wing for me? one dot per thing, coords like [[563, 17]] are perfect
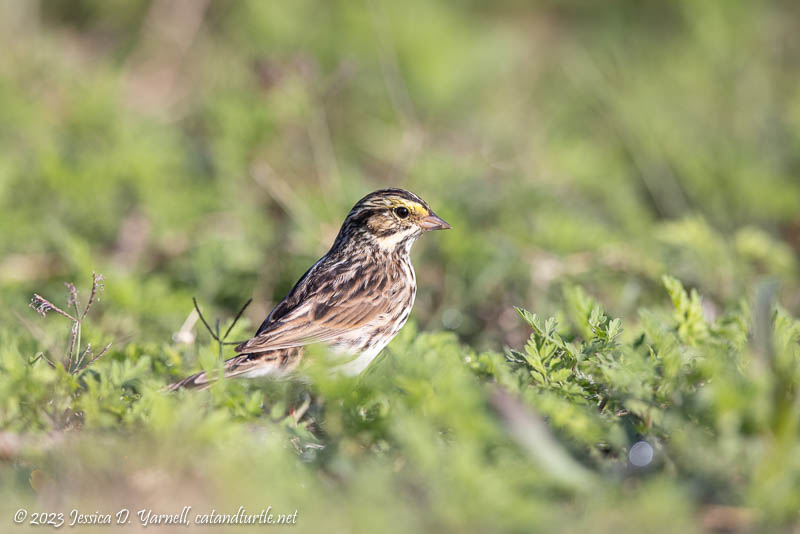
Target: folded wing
[[338, 317]]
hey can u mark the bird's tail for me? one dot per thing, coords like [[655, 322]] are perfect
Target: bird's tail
[[271, 363], [202, 380], [196, 381]]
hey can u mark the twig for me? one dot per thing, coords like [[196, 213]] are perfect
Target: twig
[[238, 316], [76, 328], [97, 287], [211, 331], [43, 356], [202, 318], [216, 329], [97, 357], [82, 357]]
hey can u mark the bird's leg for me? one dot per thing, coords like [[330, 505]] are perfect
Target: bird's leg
[[297, 413]]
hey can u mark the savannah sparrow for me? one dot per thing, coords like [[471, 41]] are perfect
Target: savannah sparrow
[[354, 299]]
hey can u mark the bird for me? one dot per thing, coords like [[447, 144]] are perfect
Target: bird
[[354, 299]]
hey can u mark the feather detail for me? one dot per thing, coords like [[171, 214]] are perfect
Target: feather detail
[[354, 299], [275, 363]]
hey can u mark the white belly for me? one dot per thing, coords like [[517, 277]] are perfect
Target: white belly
[[364, 357], [359, 363]]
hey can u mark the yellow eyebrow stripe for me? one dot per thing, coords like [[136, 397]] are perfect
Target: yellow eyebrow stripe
[[414, 207]]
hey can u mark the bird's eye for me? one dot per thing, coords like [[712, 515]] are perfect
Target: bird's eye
[[401, 212]]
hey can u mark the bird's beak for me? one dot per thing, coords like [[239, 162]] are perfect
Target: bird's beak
[[433, 222]]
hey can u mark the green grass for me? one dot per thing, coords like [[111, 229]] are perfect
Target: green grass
[[631, 160]]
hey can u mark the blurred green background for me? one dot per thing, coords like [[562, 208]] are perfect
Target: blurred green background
[[212, 148]]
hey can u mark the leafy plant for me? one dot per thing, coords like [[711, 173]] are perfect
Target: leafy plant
[[693, 390]]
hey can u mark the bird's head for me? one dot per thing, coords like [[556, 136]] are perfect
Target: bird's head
[[390, 219]]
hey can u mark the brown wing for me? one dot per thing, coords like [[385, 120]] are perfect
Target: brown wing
[[322, 321]]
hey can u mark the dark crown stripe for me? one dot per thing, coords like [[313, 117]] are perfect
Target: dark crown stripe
[[377, 198]]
